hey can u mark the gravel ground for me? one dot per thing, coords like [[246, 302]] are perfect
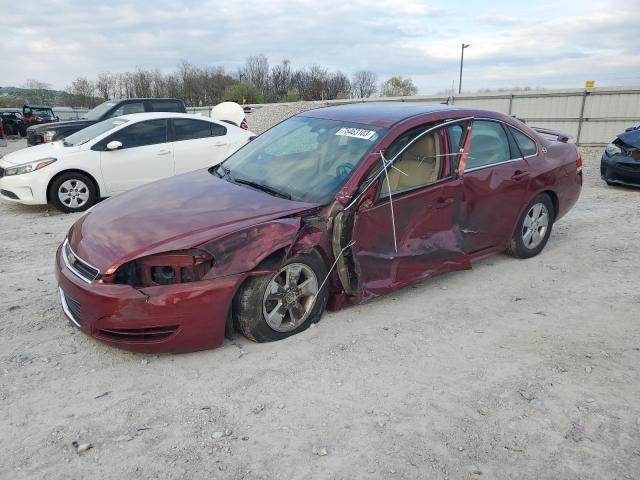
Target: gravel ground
[[268, 115], [519, 369]]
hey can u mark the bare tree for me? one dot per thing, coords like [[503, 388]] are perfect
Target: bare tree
[[39, 91], [338, 86], [106, 85], [256, 72], [363, 84], [82, 91], [281, 79]]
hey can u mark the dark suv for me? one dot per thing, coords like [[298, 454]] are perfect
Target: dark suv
[[12, 122], [108, 109]]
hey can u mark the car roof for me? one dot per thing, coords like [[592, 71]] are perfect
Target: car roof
[[381, 114], [134, 99], [138, 117]]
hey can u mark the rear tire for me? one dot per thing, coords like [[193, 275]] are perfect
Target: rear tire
[[276, 306], [73, 192], [533, 228]]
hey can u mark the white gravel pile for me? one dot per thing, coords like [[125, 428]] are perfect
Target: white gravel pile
[[265, 117]]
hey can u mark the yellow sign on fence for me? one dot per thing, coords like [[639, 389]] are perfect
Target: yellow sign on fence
[[589, 84]]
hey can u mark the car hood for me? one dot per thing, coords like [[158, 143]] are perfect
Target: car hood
[[31, 154], [56, 126], [173, 214], [631, 137]]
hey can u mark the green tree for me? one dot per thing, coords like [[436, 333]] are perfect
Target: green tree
[[243, 93], [398, 87]]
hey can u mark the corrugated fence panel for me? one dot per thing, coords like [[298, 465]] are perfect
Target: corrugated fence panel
[[498, 104], [622, 105], [547, 106]]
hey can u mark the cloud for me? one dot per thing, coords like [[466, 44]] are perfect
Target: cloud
[[510, 45]]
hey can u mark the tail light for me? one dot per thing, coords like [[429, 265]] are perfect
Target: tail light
[[578, 161], [244, 125]]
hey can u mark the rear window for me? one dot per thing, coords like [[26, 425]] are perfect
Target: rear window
[[187, 129], [527, 146], [166, 106]]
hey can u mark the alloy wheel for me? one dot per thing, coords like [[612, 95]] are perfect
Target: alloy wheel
[[290, 297], [73, 193], [535, 225]]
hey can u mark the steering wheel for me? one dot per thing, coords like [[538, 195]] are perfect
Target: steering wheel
[[343, 170]]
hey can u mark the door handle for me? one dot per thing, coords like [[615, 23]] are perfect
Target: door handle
[[519, 174], [219, 143], [164, 152], [442, 202]]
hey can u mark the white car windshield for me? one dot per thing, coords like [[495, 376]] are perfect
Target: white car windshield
[[93, 131]]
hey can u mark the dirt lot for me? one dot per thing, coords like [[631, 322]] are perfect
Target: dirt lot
[[517, 369]]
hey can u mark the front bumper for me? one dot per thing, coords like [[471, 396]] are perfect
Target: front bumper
[[29, 188], [172, 318], [620, 169]]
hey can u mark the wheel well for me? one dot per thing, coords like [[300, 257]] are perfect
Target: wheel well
[[274, 259], [95, 184], [554, 200]]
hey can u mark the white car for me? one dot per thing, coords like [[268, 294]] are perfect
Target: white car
[[116, 155]]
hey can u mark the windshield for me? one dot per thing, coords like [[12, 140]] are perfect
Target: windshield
[[42, 112], [306, 159], [99, 111], [93, 131]]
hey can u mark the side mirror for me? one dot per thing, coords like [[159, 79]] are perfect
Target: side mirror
[[114, 145]]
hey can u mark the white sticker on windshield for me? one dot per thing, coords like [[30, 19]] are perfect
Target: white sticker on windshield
[[356, 133]]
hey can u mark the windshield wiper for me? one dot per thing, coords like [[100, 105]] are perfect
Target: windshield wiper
[[264, 188]]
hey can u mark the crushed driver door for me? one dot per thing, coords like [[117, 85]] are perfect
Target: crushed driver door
[[408, 229]]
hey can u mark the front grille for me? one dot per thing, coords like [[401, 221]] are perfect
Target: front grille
[[629, 167], [71, 308], [74, 307], [78, 266], [139, 334], [8, 194]]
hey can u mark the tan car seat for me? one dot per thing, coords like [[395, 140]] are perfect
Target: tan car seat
[[419, 165]]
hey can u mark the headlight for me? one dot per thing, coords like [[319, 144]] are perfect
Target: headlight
[[47, 136], [28, 167], [183, 266], [612, 149]]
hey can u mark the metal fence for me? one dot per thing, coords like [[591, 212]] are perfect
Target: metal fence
[[592, 117]]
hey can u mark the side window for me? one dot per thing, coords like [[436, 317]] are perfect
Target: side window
[[489, 145], [140, 134], [527, 146], [186, 129], [128, 108], [423, 163], [165, 107], [218, 130]]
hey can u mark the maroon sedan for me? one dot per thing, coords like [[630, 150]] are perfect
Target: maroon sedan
[[327, 209]]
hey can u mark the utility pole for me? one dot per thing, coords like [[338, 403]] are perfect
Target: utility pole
[[461, 62]]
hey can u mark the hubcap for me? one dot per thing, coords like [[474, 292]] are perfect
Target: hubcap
[[73, 193], [289, 297], [535, 225]]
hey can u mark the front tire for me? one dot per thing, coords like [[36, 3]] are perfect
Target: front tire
[[276, 306], [73, 192], [533, 228]]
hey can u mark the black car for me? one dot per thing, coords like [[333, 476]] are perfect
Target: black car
[[108, 109], [13, 122], [620, 163]]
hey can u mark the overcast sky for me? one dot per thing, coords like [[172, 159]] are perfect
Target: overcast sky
[[513, 43]]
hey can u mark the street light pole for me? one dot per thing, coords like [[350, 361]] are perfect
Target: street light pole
[[461, 62]]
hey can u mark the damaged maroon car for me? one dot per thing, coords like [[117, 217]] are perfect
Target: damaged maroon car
[[327, 209]]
